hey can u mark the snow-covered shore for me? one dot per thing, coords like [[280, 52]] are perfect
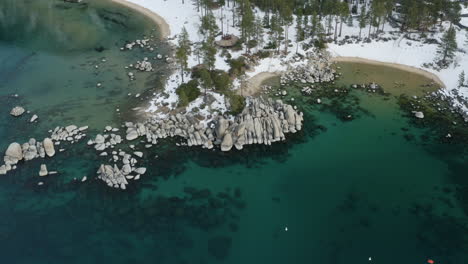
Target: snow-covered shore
[[410, 54]]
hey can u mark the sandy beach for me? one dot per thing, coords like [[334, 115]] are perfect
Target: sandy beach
[[164, 28], [415, 70], [253, 85]]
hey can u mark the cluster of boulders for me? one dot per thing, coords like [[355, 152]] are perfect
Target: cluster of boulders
[[40, 149], [28, 151], [117, 178], [102, 142], [144, 65], [261, 122], [71, 134], [142, 43], [318, 68]]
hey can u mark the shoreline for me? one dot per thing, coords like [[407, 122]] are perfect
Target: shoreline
[[164, 29], [254, 83], [403, 67]]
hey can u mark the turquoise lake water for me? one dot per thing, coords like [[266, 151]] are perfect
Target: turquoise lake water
[[337, 192]]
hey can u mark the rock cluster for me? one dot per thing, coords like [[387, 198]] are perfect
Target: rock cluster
[[102, 142], [144, 65], [28, 151], [70, 133], [318, 68], [117, 178], [17, 111], [261, 122], [142, 43], [39, 149]]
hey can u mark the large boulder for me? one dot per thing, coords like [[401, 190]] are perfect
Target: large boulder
[[132, 134], [43, 171], [17, 111], [226, 145], [221, 127], [49, 147], [14, 151]]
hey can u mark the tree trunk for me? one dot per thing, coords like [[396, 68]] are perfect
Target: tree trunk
[[182, 73], [360, 30], [341, 27], [336, 30], [370, 27]]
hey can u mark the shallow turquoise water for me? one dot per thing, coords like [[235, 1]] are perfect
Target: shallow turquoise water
[[345, 191]]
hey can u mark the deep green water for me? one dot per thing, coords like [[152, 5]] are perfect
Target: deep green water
[[346, 191]]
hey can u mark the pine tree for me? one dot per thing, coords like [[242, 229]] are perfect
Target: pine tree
[[299, 31], [305, 25], [287, 18], [362, 19], [344, 13], [259, 30], [350, 22], [448, 47], [183, 51], [208, 25], [466, 37], [314, 24], [461, 79], [209, 52], [276, 31], [247, 22], [266, 21], [205, 81]]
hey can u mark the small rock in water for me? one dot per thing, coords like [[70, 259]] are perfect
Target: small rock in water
[[419, 115], [33, 118], [40, 183], [43, 171], [138, 153], [83, 179]]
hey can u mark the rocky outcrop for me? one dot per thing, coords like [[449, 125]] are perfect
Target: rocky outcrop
[[261, 122]]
